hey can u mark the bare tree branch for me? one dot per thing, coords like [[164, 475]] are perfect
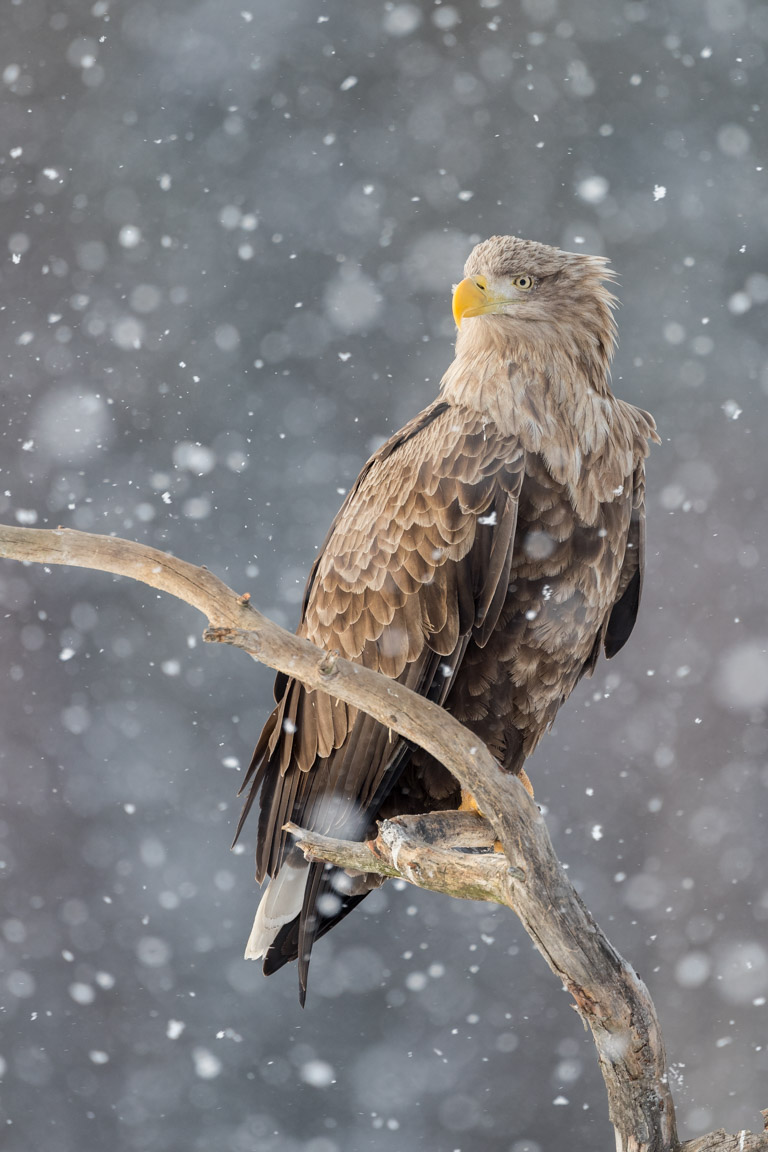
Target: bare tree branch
[[413, 848], [721, 1141], [608, 994]]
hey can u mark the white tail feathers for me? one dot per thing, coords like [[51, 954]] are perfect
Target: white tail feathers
[[280, 903]]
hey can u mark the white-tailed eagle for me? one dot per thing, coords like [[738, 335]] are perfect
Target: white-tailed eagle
[[485, 555]]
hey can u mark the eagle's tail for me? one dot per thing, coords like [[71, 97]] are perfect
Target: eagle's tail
[[301, 903], [280, 904]]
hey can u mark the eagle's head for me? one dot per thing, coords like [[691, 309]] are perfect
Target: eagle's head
[[531, 291]]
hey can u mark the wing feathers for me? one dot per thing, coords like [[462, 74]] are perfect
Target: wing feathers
[[624, 613], [407, 572], [324, 723], [495, 578]]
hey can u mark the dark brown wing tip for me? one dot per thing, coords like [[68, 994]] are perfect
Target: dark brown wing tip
[[623, 617]]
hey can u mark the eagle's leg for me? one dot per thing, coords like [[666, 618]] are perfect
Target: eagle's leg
[[526, 783], [469, 804]]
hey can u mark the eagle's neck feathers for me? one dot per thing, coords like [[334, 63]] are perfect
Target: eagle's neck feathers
[[554, 398], [532, 390]]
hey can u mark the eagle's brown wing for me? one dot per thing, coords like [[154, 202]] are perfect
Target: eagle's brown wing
[[624, 613], [416, 562]]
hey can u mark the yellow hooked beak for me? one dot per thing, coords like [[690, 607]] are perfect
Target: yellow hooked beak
[[472, 298]]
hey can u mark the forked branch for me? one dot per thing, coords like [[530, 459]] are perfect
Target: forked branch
[[607, 992]]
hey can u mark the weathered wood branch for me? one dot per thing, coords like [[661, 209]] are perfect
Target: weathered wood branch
[[413, 848], [608, 994], [722, 1141]]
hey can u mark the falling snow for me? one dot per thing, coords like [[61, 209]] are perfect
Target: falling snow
[[230, 238]]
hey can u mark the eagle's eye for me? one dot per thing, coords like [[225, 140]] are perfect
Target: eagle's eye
[[523, 283]]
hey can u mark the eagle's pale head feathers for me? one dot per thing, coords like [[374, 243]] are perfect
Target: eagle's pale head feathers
[[531, 294]]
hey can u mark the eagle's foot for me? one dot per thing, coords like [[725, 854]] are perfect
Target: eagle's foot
[[462, 830], [469, 804]]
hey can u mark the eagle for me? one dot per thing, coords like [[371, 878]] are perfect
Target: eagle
[[486, 554]]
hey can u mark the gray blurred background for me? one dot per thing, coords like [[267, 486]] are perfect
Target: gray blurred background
[[228, 237]]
